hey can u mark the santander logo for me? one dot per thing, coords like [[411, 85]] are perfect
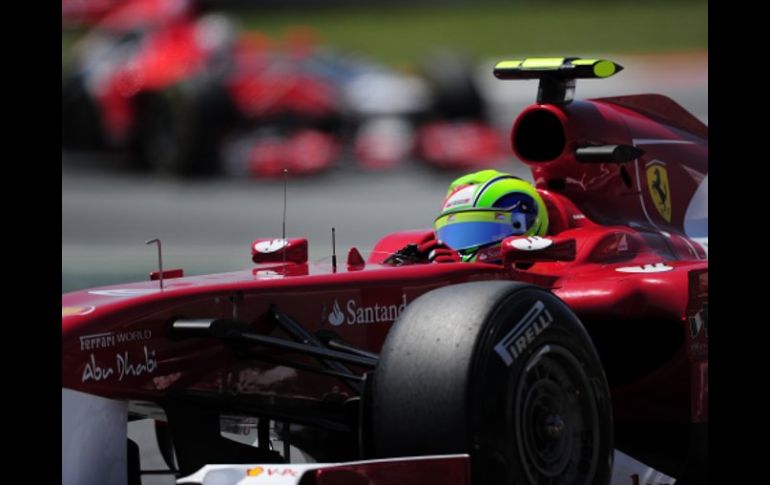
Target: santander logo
[[355, 313], [460, 196], [336, 317]]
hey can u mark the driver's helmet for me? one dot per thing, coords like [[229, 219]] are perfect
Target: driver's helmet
[[483, 208]]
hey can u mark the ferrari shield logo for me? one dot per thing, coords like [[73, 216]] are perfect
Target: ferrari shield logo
[[660, 191]]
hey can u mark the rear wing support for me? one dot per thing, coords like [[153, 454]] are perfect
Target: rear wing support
[[557, 75]]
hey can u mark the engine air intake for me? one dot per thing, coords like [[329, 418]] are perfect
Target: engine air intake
[[539, 137]]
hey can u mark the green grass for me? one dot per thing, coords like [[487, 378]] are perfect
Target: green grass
[[402, 35]]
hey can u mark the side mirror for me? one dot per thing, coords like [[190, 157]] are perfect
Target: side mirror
[[533, 249], [279, 250]]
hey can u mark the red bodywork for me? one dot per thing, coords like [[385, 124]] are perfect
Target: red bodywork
[[436, 471], [638, 284]]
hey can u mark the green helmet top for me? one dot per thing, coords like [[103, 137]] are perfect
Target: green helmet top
[[483, 208]]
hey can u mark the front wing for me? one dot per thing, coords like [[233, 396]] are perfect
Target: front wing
[[422, 470]]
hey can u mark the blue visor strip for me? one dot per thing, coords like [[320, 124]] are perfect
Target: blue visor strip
[[470, 234]]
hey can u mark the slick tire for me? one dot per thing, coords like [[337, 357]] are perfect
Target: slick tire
[[165, 443], [503, 371], [81, 124], [455, 91], [178, 129]]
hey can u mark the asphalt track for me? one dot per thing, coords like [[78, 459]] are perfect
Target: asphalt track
[[207, 226]]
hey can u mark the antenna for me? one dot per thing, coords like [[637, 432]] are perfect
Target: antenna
[[334, 253], [160, 259], [285, 184], [283, 232]]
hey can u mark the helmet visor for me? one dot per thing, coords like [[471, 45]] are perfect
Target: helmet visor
[[473, 228]]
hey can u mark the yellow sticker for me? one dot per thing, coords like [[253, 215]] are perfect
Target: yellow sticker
[[604, 69], [584, 62], [660, 190], [542, 63], [508, 64], [253, 472]]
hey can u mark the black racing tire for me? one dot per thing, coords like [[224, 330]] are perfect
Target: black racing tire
[[696, 467], [133, 463], [81, 122], [178, 129], [503, 371], [456, 94], [165, 444]]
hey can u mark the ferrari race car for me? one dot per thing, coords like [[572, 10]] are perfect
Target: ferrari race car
[[580, 358]]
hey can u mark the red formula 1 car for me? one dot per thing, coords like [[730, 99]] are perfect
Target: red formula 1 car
[[585, 345]]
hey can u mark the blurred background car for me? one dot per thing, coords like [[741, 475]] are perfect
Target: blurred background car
[[186, 92]]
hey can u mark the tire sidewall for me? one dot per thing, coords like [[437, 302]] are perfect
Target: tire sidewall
[[179, 127], [548, 328]]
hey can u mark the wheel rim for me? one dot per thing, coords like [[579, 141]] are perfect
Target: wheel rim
[[556, 419]]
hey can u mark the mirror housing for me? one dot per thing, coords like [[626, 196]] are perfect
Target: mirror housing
[[279, 250], [533, 249]]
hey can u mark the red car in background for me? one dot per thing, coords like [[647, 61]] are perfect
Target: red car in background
[[165, 82], [187, 93], [579, 347]]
